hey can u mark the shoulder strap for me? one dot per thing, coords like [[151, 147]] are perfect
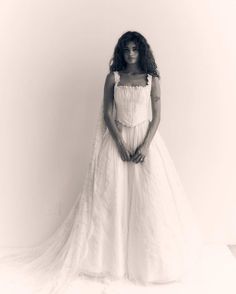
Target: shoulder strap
[[117, 76], [149, 80]]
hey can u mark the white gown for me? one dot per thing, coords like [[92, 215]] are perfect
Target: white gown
[[131, 221]]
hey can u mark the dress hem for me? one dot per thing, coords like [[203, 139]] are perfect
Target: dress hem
[[107, 277]]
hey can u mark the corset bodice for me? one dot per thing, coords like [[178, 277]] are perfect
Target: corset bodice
[[132, 103]]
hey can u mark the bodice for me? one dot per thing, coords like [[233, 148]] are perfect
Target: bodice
[[132, 103]]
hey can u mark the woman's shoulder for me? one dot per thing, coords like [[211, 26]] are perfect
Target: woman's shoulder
[[110, 78], [155, 79], [111, 75], [155, 89]]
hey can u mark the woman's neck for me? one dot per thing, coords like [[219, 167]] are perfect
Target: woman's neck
[[132, 69]]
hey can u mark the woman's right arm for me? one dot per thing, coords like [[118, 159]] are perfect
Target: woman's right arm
[[108, 116]]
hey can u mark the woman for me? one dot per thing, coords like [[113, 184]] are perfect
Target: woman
[[141, 227], [132, 219]]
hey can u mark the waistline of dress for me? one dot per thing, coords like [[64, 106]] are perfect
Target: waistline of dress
[[131, 125]]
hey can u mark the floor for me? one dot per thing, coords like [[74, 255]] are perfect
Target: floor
[[214, 273]]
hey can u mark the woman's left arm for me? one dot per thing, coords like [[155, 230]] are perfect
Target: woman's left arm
[[142, 149], [156, 111]]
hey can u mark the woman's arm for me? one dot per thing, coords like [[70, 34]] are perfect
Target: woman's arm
[[108, 106], [109, 120], [142, 149], [156, 111]]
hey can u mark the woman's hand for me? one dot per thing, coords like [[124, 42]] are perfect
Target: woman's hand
[[140, 153], [124, 151]]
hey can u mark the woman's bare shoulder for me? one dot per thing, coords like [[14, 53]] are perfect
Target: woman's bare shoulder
[[110, 79]]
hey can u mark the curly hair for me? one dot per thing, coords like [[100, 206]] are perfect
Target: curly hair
[[146, 59]]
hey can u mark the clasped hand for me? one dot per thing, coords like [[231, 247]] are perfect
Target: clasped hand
[[137, 156]]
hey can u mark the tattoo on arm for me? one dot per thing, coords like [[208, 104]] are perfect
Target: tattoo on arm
[[156, 98]]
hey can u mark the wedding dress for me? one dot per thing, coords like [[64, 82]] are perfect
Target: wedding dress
[[130, 221]]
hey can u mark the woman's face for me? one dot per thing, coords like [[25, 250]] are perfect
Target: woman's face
[[131, 53]]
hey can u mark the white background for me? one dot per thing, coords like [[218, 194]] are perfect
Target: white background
[[54, 56]]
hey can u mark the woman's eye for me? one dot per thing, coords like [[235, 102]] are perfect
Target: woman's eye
[[134, 49]]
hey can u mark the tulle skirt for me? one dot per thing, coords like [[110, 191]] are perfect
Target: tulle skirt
[[142, 225]]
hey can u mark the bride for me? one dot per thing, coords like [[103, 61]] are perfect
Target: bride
[[132, 220]]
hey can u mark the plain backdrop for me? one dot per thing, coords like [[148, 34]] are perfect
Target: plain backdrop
[[54, 57]]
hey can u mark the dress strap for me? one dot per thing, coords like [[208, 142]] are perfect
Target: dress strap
[[149, 80], [117, 77]]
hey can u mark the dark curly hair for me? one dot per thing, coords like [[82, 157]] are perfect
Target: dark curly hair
[[146, 59]]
